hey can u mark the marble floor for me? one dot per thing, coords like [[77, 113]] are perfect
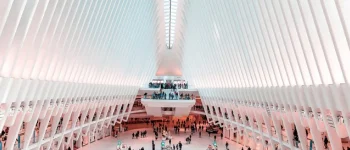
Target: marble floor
[[197, 143]]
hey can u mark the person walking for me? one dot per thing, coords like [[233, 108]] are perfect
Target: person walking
[[222, 135], [169, 141], [325, 142], [214, 137], [200, 134], [226, 145], [180, 145], [173, 146]]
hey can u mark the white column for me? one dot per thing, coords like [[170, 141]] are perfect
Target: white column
[[316, 135]]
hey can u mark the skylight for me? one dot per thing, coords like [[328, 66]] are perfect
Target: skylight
[[170, 7]]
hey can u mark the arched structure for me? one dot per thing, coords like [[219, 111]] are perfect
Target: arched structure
[[74, 67]]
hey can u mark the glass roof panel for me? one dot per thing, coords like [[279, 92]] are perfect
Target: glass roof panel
[[170, 7]]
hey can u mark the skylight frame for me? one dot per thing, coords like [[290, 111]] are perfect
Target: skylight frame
[[170, 11]]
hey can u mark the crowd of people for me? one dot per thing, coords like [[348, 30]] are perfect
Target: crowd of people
[[162, 95], [136, 135], [186, 96], [162, 131], [173, 95], [185, 125], [168, 85]]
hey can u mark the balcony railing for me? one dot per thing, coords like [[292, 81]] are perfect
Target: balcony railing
[[166, 98]]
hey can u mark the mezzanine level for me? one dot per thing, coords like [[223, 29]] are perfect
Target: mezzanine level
[[180, 107]]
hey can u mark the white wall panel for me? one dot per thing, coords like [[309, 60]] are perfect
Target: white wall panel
[[286, 58], [71, 51]]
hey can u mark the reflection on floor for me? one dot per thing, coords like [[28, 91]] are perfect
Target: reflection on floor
[[197, 143]]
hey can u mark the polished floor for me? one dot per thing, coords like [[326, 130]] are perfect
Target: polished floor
[[197, 143]]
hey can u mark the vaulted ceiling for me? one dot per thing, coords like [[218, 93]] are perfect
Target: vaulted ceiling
[[216, 44], [88, 42], [242, 44]]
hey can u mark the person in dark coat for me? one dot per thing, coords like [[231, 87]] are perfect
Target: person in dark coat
[[325, 142], [180, 145]]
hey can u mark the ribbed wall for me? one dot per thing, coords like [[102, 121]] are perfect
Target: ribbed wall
[[267, 43], [273, 60], [70, 57], [278, 62]]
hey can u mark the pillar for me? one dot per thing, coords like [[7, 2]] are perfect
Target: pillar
[[301, 131], [14, 131], [316, 134]]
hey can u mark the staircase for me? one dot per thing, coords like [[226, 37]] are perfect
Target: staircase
[[330, 121]]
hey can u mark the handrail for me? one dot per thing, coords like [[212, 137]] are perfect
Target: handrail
[[168, 99]]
